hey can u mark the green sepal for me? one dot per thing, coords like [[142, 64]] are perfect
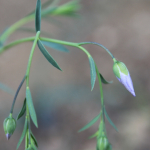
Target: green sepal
[[109, 120], [38, 16], [94, 135], [23, 109], [90, 123], [56, 46], [104, 81], [23, 133], [47, 55], [92, 72], [34, 139], [31, 106]]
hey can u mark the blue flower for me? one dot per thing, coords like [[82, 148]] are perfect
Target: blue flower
[[121, 72]]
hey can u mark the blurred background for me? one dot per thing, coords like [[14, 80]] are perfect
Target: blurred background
[[63, 100]]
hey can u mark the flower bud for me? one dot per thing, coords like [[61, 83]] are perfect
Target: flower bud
[[121, 72], [30, 147], [103, 143], [9, 125]]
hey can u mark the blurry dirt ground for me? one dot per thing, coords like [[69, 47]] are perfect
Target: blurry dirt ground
[[63, 100]]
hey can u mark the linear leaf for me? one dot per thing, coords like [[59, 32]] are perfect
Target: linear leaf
[[23, 134], [47, 55], [55, 46], [105, 81], [21, 113], [94, 135], [35, 141], [109, 120], [90, 123], [38, 16], [31, 106], [92, 72]]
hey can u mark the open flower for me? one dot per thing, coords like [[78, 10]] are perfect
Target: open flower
[[121, 72]]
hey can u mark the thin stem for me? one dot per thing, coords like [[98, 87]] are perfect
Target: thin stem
[[15, 26], [83, 43], [30, 58], [16, 43], [29, 127], [100, 85], [26, 136], [59, 42], [102, 100], [12, 107]]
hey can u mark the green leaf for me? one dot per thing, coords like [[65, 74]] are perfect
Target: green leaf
[[55, 46], [21, 113], [105, 81], [44, 5], [94, 135], [90, 123], [38, 16], [31, 106], [23, 134], [109, 120], [47, 55], [92, 72], [35, 141]]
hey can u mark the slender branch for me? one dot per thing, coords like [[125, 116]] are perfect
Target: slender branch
[[102, 99], [83, 43], [16, 43], [30, 57], [12, 107]]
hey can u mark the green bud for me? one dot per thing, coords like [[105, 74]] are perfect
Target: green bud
[[9, 125], [120, 67], [103, 143], [121, 72], [30, 147]]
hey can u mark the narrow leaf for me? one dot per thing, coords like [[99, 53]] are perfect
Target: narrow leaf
[[92, 72], [23, 134], [31, 106], [47, 55], [90, 123], [105, 81], [21, 113], [38, 16], [94, 135], [35, 141], [109, 120], [55, 46]]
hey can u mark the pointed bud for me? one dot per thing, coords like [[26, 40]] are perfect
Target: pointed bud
[[31, 147], [9, 125], [103, 143], [121, 72]]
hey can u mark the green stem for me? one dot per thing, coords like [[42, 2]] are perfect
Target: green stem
[[30, 58], [23, 21], [59, 42], [12, 107], [16, 43], [83, 43], [15, 26], [102, 100]]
